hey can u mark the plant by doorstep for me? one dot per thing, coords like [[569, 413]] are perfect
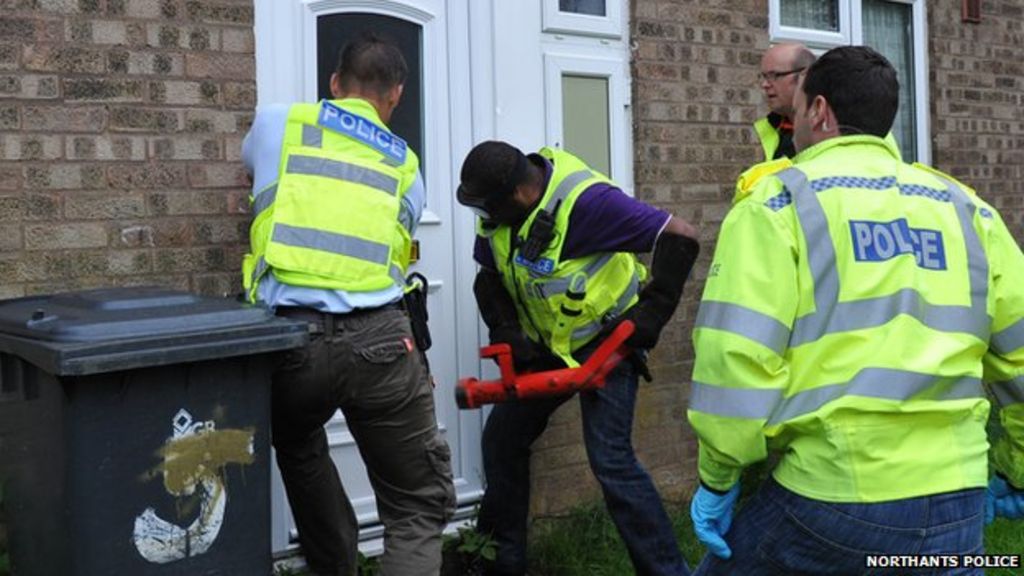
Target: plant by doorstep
[[465, 552]]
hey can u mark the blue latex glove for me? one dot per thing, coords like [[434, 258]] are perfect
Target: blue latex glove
[[997, 488], [1004, 500], [712, 516]]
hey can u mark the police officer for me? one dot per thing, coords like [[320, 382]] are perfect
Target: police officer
[[336, 200], [556, 243], [855, 306]]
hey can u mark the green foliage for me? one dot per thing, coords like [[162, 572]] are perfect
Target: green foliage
[[368, 566], [466, 551], [472, 544], [1004, 537], [584, 543]]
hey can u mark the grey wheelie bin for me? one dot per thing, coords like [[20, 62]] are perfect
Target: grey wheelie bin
[[134, 433]]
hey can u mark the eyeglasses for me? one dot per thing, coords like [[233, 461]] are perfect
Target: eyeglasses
[[773, 76]]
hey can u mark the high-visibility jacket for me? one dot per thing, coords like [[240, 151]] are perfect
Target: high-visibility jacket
[[331, 220], [563, 302], [768, 136], [854, 306]]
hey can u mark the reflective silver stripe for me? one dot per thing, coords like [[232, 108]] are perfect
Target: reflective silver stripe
[[832, 316], [873, 312], [977, 261], [1009, 339], [750, 324], [821, 255], [1009, 392], [259, 270], [405, 216], [733, 402], [390, 161], [880, 383], [620, 307], [559, 286], [332, 242], [312, 136], [337, 170], [566, 185], [264, 199], [396, 274]]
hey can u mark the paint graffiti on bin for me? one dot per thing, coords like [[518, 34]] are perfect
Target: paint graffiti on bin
[[193, 462]]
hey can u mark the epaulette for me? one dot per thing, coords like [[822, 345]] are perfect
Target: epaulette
[[751, 176]]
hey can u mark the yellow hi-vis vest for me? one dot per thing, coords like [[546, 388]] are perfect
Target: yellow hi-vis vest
[[331, 220], [854, 306], [768, 137], [563, 303]]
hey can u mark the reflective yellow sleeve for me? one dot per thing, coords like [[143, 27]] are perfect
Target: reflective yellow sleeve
[[740, 338], [1004, 362]]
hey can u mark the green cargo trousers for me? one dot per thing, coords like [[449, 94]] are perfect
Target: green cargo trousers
[[366, 364]]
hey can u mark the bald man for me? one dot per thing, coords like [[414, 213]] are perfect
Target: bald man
[[780, 71]]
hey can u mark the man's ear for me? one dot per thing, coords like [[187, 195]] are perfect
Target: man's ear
[[336, 91], [395, 94], [820, 111]]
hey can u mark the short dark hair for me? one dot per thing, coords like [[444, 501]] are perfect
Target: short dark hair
[[492, 170], [372, 62], [861, 87]]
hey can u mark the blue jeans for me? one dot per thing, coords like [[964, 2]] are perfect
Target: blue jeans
[[632, 500], [780, 533]]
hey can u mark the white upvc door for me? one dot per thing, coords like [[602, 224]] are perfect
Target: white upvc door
[[291, 40]]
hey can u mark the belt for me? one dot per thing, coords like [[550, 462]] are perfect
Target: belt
[[324, 322]]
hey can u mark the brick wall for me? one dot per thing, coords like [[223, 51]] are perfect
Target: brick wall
[[120, 128], [977, 78]]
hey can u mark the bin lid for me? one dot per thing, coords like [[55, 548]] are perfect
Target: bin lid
[[119, 328]]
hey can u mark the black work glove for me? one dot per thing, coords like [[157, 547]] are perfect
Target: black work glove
[[647, 326], [674, 257], [526, 354]]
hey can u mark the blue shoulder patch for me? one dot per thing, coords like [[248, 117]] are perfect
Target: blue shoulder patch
[[355, 126]]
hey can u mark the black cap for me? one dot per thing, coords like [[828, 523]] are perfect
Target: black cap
[[491, 171]]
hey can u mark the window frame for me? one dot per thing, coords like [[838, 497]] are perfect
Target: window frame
[[851, 32], [554, 21]]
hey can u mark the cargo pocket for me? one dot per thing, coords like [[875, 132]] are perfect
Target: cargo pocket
[[439, 456]]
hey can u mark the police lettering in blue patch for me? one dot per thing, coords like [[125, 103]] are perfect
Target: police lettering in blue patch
[[540, 266], [334, 118], [880, 241]]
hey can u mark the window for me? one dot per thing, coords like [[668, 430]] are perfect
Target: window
[[811, 15], [584, 17], [896, 28], [591, 7], [585, 123], [587, 113]]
